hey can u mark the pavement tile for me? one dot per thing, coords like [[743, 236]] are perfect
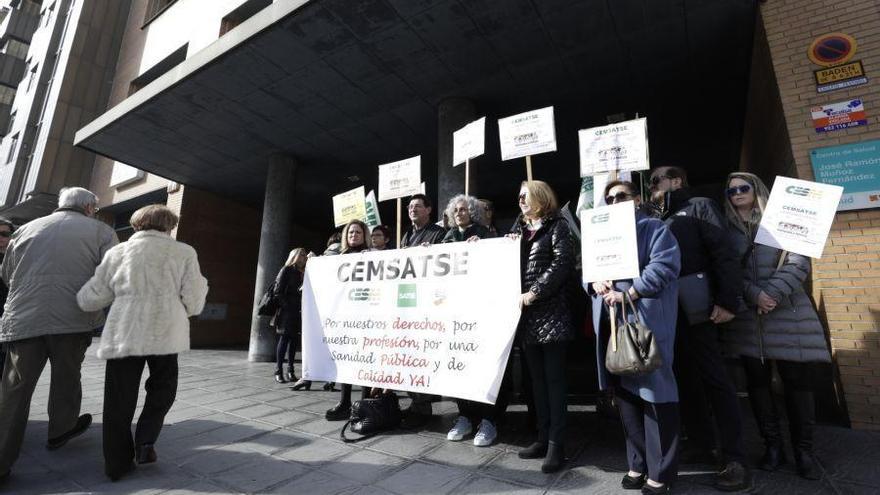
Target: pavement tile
[[481, 484], [229, 405], [855, 489], [256, 411], [317, 483], [202, 487], [403, 444], [258, 476], [217, 460], [461, 454], [319, 407], [587, 479], [509, 466], [320, 427], [422, 478], [274, 441], [365, 466], [287, 418], [316, 452]]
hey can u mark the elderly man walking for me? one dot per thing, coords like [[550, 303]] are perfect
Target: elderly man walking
[[46, 263]]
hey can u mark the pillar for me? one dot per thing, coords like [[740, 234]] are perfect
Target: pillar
[[274, 246], [453, 114]]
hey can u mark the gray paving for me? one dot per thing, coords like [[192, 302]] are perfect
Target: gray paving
[[233, 430]]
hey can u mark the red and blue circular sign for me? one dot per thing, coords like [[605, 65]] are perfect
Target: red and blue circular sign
[[832, 49]]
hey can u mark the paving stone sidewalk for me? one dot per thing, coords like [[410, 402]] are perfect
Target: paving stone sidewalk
[[233, 430]]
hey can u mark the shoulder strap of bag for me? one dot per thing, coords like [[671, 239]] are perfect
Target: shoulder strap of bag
[[354, 440]]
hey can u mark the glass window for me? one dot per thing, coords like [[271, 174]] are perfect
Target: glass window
[[13, 144]]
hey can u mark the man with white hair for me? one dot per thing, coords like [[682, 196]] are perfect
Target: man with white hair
[[47, 261]]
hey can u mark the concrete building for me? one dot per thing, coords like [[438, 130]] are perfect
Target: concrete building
[[18, 20], [264, 110]]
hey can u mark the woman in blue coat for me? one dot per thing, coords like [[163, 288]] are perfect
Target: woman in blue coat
[[648, 403]]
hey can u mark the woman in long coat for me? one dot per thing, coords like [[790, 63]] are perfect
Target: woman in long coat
[[779, 326], [288, 319], [648, 403]]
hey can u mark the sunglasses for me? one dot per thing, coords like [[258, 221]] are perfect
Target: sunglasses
[[621, 196], [5, 233], [658, 178], [733, 191]]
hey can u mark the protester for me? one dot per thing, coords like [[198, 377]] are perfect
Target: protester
[[545, 326], [422, 233], [6, 229], [288, 318], [47, 261], [780, 326], [466, 212], [648, 404], [380, 238], [700, 230], [154, 284], [489, 216], [334, 243], [354, 240]]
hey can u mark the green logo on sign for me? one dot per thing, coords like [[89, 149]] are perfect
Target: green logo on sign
[[406, 296]]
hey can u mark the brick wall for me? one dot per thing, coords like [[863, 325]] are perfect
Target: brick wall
[[846, 280]]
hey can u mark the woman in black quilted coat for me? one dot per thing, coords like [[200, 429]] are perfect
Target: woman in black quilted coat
[[545, 326]]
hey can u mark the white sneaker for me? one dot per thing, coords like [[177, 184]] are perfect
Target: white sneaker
[[461, 429], [486, 434]]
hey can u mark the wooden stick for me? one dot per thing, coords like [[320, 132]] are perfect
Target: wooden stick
[[467, 176], [398, 223], [529, 168]]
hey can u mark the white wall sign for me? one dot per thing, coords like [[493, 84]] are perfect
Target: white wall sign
[[528, 133], [406, 319], [620, 146], [608, 243], [125, 174], [400, 179], [469, 142], [798, 216], [348, 206]]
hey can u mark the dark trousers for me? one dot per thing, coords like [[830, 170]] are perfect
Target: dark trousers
[[477, 411], [799, 401], [121, 383], [286, 345], [651, 435], [702, 382], [547, 367]]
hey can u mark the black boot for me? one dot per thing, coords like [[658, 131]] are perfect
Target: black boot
[[536, 450], [801, 420], [764, 408], [342, 410], [279, 377], [291, 376], [555, 458]]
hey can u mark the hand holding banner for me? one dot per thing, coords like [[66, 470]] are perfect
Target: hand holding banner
[[436, 320], [798, 216], [349, 206], [608, 243]]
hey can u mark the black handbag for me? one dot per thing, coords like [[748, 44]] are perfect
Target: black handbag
[[269, 303], [695, 297], [632, 350], [372, 416]]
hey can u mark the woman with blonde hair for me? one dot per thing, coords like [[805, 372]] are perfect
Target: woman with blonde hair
[[288, 318], [779, 326], [545, 326], [154, 284]]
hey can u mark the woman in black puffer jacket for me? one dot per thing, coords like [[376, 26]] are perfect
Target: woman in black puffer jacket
[[545, 327]]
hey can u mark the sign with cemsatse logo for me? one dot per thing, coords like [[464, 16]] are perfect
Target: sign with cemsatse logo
[[840, 77], [837, 116], [855, 167], [798, 216], [614, 148], [608, 243]]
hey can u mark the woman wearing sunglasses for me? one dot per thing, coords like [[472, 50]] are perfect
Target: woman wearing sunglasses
[[545, 326], [780, 326]]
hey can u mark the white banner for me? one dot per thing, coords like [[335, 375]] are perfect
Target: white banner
[[615, 147], [349, 206], [798, 216], [528, 133], [400, 179], [608, 243], [469, 142], [438, 319]]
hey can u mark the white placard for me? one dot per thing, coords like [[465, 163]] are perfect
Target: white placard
[[469, 142], [400, 179], [348, 206], [798, 216], [620, 146], [608, 243], [405, 319], [526, 134]]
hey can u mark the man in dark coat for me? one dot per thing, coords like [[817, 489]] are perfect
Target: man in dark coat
[[698, 226]]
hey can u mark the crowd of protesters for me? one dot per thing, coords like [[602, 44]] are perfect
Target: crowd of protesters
[[62, 271]]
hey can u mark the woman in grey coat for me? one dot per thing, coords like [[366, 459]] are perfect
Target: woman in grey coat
[[779, 326]]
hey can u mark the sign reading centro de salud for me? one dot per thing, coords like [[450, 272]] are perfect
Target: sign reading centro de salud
[[855, 167], [527, 134], [437, 320], [837, 116], [798, 216]]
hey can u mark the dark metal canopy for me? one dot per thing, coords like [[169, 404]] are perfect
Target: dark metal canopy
[[344, 86]]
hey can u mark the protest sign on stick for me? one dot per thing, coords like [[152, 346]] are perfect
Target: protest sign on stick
[[350, 205], [372, 208], [622, 146], [399, 179], [406, 319], [798, 216], [526, 134], [468, 142], [608, 243]]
